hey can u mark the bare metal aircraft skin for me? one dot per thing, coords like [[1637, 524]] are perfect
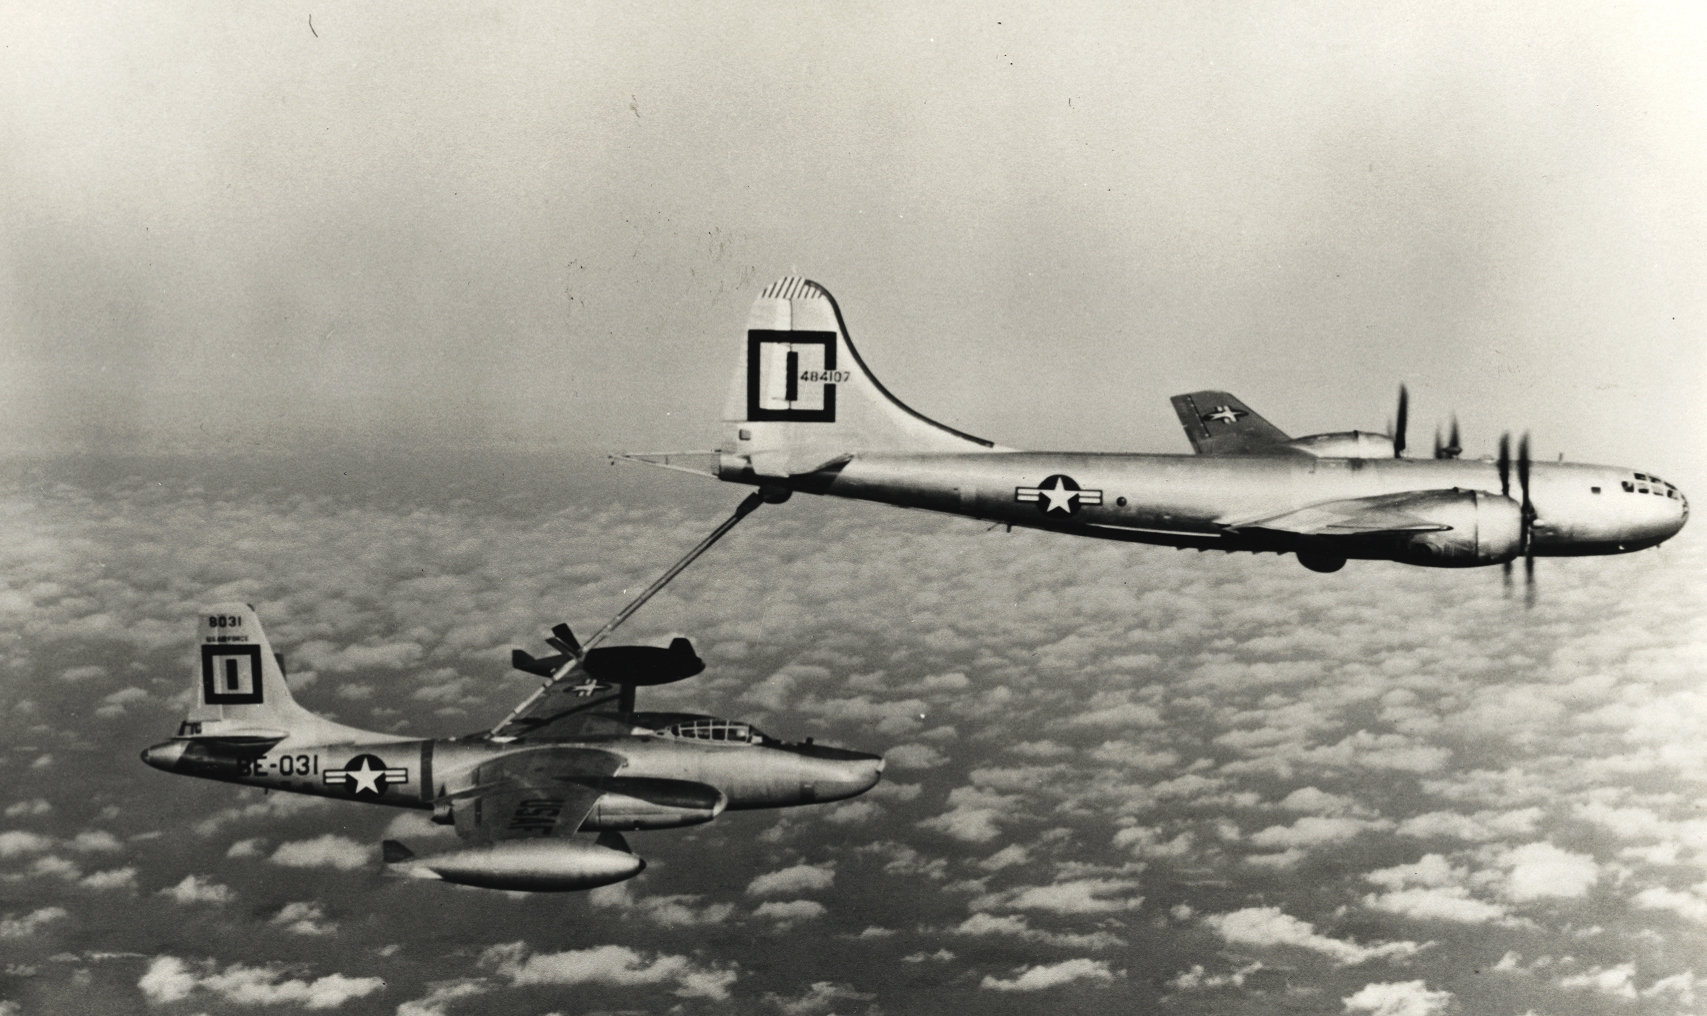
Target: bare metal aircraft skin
[[805, 414], [575, 757]]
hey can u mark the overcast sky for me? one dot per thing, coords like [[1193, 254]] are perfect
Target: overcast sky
[[542, 223]]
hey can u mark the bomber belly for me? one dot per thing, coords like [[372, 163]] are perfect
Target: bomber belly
[[1191, 501], [1108, 495], [1052, 490]]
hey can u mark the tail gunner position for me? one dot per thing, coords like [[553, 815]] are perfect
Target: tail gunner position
[[804, 413], [575, 757]]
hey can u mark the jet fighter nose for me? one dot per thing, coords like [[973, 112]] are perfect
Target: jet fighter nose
[[833, 774], [164, 755], [854, 777]]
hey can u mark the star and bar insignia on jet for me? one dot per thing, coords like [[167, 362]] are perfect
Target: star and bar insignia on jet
[[1226, 414], [1058, 493], [366, 774]]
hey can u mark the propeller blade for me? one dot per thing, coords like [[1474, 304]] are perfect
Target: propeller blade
[[1528, 519], [1505, 465], [1439, 449], [1399, 428], [1453, 448], [1523, 470]]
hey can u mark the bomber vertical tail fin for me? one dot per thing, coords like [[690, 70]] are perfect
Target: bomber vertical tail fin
[[802, 398]]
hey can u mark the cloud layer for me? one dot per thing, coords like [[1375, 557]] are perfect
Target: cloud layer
[[1353, 786]]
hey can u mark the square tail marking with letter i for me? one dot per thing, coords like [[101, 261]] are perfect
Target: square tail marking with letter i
[[231, 675], [792, 376]]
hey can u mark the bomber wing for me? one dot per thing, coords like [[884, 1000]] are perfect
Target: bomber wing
[[1217, 423], [1357, 516]]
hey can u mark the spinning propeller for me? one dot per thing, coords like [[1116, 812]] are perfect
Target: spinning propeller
[[1399, 428], [1526, 545], [1451, 449]]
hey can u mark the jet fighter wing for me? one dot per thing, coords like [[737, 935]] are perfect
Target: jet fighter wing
[[533, 794], [1357, 516], [1217, 423]]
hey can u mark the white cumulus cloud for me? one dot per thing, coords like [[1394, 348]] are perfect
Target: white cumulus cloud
[[172, 979], [1043, 976], [328, 851], [1269, 926], [199, 889], [798, 879], [1398, 998], [616, 965]]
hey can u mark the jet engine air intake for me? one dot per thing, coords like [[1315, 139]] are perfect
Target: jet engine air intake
[[635, 802]]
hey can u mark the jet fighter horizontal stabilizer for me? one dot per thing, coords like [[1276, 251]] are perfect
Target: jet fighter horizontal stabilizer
[[524, 661], [644, 665]]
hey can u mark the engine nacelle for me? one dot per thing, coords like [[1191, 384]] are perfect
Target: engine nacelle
[[535, 865], [637, 802], [1351, 444], [1486, 529]]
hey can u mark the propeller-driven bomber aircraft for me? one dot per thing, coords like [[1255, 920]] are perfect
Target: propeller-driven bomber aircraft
[[574, 757], [805, 414]]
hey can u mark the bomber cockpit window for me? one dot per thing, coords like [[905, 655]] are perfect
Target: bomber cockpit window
[[726, 731], [1629, 488]]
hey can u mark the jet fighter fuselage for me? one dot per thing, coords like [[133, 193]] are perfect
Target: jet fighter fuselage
[[574, 757]]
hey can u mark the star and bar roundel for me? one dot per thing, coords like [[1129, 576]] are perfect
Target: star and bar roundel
[[367, 776], [1058, 493]]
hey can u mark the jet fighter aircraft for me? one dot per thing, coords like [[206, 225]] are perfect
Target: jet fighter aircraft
[[574, 757], [805, 414]]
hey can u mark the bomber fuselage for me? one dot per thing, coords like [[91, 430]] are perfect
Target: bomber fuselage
[[1191, 500]]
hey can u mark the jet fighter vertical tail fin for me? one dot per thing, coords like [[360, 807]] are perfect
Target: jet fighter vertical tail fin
[[1217, 423], [802, 398], [239, 683]]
